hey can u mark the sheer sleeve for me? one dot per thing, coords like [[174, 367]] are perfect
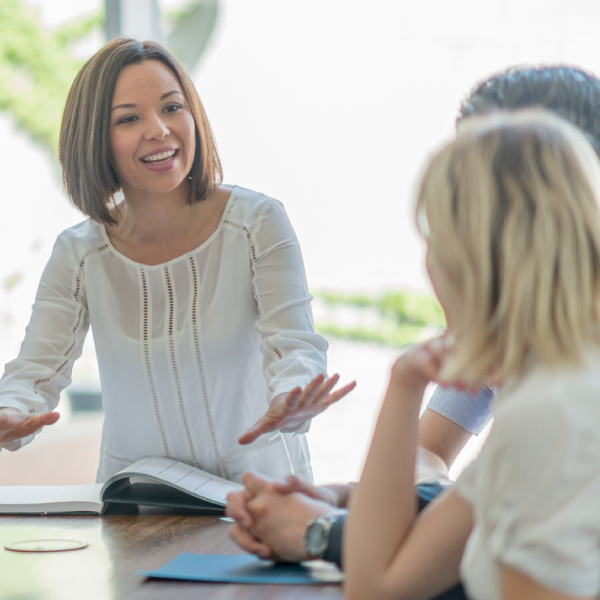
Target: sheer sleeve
[[53, 339], [293, 354]]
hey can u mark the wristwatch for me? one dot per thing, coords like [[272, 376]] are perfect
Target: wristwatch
[[316, 535]]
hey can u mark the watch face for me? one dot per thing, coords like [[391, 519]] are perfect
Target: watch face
[[317, 535]]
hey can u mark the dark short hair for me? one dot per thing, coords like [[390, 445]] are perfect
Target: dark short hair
[[568, 91], [85, 154]]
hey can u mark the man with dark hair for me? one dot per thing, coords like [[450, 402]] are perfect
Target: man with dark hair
[[569, 92]]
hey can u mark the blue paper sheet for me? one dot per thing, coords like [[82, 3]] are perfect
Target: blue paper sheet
[[244, 569]]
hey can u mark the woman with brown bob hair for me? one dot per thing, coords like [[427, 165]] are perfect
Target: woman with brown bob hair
[[195, 291], [84, 147], [510, 213]]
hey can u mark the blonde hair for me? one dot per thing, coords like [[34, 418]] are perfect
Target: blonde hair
[[510, 212]]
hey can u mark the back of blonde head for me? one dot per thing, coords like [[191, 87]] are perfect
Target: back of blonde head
[[510, 211]]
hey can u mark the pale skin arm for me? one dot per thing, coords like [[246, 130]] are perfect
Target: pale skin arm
[[15, 425], [289, 411], [389, 552], [440, 442]]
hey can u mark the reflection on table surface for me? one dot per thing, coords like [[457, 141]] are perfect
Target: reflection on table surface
[[118, 546]]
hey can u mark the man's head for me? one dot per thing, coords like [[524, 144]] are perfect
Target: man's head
[[570, 92]]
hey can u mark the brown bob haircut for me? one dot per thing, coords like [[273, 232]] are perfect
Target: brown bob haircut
[[84, 149]]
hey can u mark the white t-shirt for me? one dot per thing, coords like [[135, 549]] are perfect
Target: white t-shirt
[[190, 352], [535, 487]]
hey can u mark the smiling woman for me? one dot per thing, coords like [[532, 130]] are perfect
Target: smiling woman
[[151, 131], [152, 137], [195, 291]]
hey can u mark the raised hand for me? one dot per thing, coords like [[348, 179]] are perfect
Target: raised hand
[[15, 425], [288, 411], [421, 363]]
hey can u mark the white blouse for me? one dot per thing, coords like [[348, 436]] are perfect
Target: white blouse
[[535, 487], [190, 352]]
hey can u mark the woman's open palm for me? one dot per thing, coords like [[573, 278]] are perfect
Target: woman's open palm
[[288, 411], [15, 425]]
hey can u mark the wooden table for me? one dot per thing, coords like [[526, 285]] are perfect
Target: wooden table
[[120, 545]]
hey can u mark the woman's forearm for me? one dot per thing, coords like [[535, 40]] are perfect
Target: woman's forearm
[[383, 506]]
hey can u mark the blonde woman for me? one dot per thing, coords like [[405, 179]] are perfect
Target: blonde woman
[[510, 214]]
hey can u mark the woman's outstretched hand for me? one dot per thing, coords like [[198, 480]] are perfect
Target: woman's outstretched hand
[[288, 411], [15, 425]]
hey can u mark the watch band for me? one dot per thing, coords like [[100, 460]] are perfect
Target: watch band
[[333, 553]]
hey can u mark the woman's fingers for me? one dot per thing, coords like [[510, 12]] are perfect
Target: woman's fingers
[[311, 391], [246, 541], [339, 394], [15, 425], [291, 409]]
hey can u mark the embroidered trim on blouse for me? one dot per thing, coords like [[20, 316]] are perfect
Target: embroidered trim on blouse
[[77, 324], [174, 369], [253, 256], [148, 362], [223, 471]]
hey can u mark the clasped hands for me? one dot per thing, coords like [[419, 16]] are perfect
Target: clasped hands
[[271, 516]]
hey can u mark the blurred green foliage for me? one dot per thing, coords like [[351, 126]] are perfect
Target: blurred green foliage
[[395, 318], [37, 65], [37, 68]]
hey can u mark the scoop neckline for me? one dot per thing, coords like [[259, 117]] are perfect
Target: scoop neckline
[[177, 258]]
